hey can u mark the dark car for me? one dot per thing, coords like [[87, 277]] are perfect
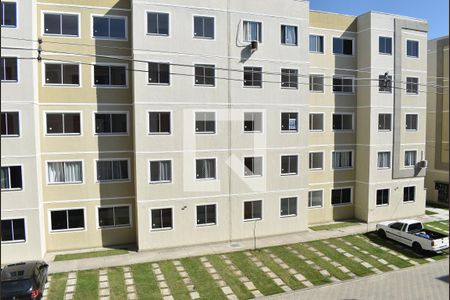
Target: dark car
[[25, 280]]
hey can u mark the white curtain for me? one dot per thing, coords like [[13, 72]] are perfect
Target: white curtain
[[342, 159], [164, 171], [72, 171], [116, 169], [207, 168], [383, 160], [251, 31], [410, 158], [56, 172], [291, 37], [4, 178]]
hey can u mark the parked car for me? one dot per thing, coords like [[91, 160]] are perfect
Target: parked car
[[25, 280], [413, 234]]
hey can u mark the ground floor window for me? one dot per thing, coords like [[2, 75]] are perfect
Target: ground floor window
[[162, 218], [253, 210], [288, 206], [341, 196], [206, 214], [70, 219], [114, 216]]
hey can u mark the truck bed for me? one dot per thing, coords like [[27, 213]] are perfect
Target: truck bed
[[428, 234]]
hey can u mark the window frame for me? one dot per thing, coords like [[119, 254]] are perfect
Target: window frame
[[310, 202], [252, 219], [343, 77], [109, 17], [62, 84], [215, 122], [392, 45], [109, 86], [323, 42], [16, 241], [64, 182], [215, 214], [342, 121], [323, 121], [253, 164], [390, 160], [297, 123], [259, 31], [150, 133], [297, 166], [315, 75], [383, 204], [149, 174], [343, 38], [289, 215], [411, 130], [291, 85], [216, 172], [62, 113], [409, 201], [79, 229], [159, 71], [169, 27], [204, 77], [19, 125], [61, 35], [9, 178], [9, 81], [309, 161], [341, 203], [204, 37], [17, 15], [172, 210], [406, 48], [385, 89], [283, 39], [253, 80], [404, 158], [411, 92], [112, 180], [352, 155], [95, 113], [253, 120], [384, 121], [113, 206]]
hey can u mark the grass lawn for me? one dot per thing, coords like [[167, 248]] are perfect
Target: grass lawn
[[87, 285], [174, 281], [334, 225], [145, 282], [116, 283], [57, 286], [89, 254], [429, 213]]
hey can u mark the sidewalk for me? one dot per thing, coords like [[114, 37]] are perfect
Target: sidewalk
[[197, 250]]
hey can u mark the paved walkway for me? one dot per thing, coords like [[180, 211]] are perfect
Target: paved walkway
[[429, 281], [217, 248]]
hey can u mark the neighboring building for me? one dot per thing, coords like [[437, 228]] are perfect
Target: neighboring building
[[437, 177], [180, 123]]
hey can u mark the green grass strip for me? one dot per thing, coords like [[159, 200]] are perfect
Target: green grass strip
[[438, 225], [174, 281], [284, 275], [350, 264], [145, 282], [57, 286], [430, 213], [116, 283], [89, 254], [391, 259], [87, 285], [334, 271], [228, 276], [262, 282], [202, 280], [298, 264], [334, 225]]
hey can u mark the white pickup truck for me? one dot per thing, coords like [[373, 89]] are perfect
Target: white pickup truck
[[413, 234]]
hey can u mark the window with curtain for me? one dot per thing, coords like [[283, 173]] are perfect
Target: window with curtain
[[384, 160], [316, 43], [289, 35], [161, 171], [315, 198], [342, 159], [65, 172], [112, 170], [252, 31], [410, 158], [206, 168]]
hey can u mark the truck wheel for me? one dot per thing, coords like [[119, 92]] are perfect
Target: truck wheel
[[417, 248], [381, 233]]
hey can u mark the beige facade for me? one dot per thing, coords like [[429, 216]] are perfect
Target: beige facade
[[436, 181]]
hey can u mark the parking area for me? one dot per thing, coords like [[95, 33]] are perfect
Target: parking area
[[245, 274]]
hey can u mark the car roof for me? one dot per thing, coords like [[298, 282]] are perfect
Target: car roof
[[22, 270], [408, 221]]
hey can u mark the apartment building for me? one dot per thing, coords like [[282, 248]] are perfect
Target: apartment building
[[166, 124], [436, 181]]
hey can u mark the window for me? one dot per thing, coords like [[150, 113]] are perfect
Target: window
[[342, 159], [204, 27], [289, 35], [205, 122], [205, 168], [159, 73], [159, 122], [342, 84], [288, 206], [384, 122], [342, 122], [110, 75], [253, 76], [289, 78], [315, 199], [61, 24], [411, 122], [316, 43], [114, 216], [252, 166], [109, 27], [383, 197], [62, 74], [289, 121], [384, 160], [157, 23], [289, 164], [112, 170], [162, 218], [396, 225], [10, 123], [206, 214], [252, 31], [385, 45], [65, 172], [252, 122], [412, 85], [409, 194], [412, 48], [9, 14], [410, 158], [71, 219], [316, 122], [9, 68], [161, 171], [13, 230], [252, 210], [316, 160], [341, 196], [11, 178], [110, 123], [385, 83], [205, 75], [63, 123], [316, 83], [342, 46]]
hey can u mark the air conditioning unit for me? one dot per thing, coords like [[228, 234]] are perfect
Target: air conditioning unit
[[254, 46], [423, 164]]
